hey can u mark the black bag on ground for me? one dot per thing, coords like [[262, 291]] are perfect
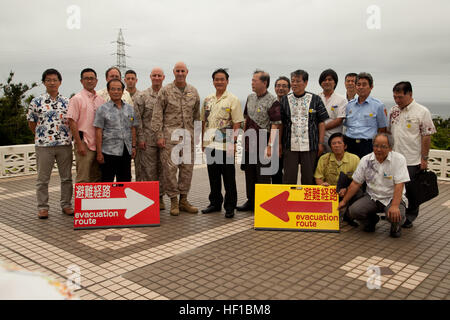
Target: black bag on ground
[[424, 187]]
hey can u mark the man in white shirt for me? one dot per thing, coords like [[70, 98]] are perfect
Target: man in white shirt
[[411, 126], [334, 103], [385, 173]]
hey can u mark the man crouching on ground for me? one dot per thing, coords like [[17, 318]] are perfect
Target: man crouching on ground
[[385, 173]]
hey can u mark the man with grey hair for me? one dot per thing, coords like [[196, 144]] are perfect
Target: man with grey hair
[[262, 112], [364, 117], [385, 173], [110, 74]]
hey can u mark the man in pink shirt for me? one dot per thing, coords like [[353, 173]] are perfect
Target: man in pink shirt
[[81, 114]]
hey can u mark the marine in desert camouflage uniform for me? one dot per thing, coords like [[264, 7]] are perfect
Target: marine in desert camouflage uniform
[[148, 161], [177, 107]]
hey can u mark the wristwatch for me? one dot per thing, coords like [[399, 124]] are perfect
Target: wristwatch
[[425, 158]]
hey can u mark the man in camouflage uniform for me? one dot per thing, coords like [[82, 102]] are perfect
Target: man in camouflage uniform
[[177, 107], [148, 161]]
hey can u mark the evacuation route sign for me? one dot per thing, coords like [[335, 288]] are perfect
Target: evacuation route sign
[[120, 204], [294, 207]]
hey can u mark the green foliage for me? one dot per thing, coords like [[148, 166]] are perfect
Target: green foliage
[[441, 139], [13, 109]]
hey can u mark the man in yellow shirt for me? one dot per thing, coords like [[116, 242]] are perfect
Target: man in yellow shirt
[[221, 116], [332, 164]]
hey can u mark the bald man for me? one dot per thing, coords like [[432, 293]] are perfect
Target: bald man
[[177, 107], [148, 158]]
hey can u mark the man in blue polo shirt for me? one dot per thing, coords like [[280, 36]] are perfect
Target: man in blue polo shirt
[[365, 117]]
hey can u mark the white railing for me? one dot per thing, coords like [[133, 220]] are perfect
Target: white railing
[[20, 160], [439, 163]]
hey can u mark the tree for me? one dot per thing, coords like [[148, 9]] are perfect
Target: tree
[[440, 140], [13, 110]]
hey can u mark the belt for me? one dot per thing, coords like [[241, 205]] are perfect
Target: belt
[[359, 140]]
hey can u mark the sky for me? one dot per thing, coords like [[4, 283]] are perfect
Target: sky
[[393, 40]]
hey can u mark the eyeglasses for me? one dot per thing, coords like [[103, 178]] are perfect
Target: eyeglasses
[[380, 146], [89, 78], [51, 80], [115, 89], [281, 86]]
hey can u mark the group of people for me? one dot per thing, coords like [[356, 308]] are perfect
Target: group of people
[[346, 141]]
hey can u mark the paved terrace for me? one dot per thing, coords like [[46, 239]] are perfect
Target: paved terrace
[[210, 257]]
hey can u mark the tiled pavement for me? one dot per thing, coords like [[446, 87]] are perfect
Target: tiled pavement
[[210, 257]]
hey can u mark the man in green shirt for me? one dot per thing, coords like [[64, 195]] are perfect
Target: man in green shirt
[[331, 165]]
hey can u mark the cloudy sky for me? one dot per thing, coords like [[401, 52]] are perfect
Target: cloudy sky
[[279, 36]]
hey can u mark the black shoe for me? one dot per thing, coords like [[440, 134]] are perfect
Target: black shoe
[[211, 209], [245, 207], [370, 227], [408, 224], [350, 221], [396, 230], [229, 214]]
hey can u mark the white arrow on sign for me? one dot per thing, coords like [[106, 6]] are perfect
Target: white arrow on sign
[[133, 202]]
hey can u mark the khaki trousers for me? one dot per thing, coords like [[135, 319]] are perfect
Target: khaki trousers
[[45, 159], [88, 169]]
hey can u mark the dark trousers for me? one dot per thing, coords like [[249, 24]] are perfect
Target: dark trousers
[[360, 147], [253, 176], [365, 209], [307, 162], [219, 166], [118, 167], [412, 212], [277, 178]]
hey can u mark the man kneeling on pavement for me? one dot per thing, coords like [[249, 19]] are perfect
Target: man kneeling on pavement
[[336, 168], [385, 173]]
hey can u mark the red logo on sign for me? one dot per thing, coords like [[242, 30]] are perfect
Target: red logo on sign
[[127, 204], [279, 206]]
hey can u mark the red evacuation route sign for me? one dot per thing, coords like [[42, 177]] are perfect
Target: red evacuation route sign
[[120, 204]]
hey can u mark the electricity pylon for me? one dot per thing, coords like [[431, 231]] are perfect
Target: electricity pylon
[[121, 61]]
